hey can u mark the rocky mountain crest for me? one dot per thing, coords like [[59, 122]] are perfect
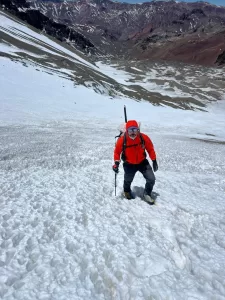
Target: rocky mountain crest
[[157, 30]]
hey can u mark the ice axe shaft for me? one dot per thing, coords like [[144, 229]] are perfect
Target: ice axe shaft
[[125, 113]]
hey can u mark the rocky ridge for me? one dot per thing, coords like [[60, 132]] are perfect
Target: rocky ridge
[[186, 32], [62, 32], [157, 30]]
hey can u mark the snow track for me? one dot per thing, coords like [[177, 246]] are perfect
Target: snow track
[[65, 236]]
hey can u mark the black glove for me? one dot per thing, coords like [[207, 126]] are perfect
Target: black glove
[[115, 167], [155, 165]]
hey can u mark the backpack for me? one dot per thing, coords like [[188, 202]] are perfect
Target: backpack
[[123, 157]]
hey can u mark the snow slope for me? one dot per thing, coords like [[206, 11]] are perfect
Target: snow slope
[[27, 45], [63, 233], [17, 30], [159, 83]]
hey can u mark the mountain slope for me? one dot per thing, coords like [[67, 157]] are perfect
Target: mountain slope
[[32, 47], [63, 233], [22, 10], [146, 30]]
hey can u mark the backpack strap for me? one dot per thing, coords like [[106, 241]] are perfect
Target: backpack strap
[[118, 136], [124, 147], [143, 144], [142, 141], [124, 142]]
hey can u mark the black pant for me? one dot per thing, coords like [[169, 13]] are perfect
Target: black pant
[[146, 170]]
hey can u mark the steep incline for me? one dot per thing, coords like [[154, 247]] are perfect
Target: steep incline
[[29, 46], [63, 233]]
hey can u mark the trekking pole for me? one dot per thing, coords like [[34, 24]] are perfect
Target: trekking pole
[[121, 132], [115, 184]]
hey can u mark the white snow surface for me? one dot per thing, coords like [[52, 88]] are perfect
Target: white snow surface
[[63, 232], [19, 31]]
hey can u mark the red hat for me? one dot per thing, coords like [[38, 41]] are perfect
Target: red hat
[[131, 123]]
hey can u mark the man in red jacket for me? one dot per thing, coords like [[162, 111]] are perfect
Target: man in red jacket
[[131, 148]]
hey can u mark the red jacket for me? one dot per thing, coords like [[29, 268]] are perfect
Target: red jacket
[[134, 154]]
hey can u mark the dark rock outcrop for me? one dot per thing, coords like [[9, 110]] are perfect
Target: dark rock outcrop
[[221, 59]]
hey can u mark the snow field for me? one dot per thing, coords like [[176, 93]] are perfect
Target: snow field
[[64, 235]]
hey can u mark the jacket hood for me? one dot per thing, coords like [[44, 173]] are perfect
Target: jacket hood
[[131, 123]]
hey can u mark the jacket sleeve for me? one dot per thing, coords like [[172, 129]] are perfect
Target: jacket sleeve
[[118, 149], [149, 147]]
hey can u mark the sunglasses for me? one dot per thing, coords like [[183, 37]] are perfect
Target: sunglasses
[[131, 130]]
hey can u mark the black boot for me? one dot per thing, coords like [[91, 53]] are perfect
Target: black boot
[[128, 195]]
